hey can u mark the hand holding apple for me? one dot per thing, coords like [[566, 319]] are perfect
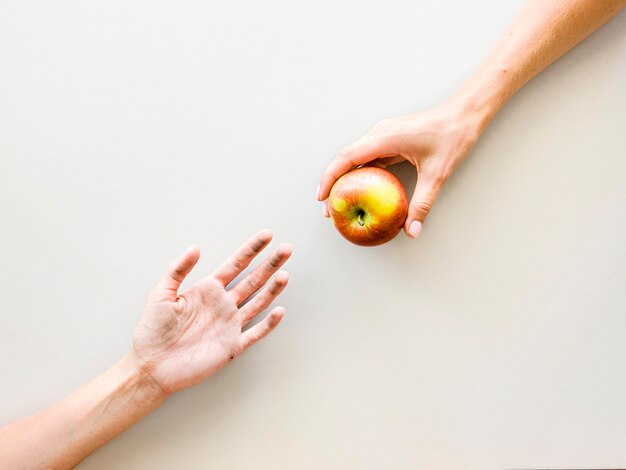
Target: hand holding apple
[[435, 142], [368, 206]]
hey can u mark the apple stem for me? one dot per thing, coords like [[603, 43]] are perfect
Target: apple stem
[[360, 220]]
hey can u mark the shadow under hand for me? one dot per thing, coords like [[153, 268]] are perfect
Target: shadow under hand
[[407, 175]]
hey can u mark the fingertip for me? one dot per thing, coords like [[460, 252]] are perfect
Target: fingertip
[[265, 235], [179, 268], [276, 315], [282, 277], [413, 229], [285, 249], [325, 185], [321, 189], [321, 194], [191, 254], [326, 211]]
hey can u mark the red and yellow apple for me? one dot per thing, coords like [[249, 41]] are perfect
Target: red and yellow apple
[[368, 206]]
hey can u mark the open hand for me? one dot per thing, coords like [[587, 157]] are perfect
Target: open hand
[[434, 141], [184, 338]]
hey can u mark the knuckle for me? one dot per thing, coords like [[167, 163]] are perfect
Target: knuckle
[[276, 286], [441, 169], [251, 284], [256, 246], [273, 321], [436, 176], [176, 271], [439, 178], [274, 262], [273, 288], [236, 263], [421, 207]]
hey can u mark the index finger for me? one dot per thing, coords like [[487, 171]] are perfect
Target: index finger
[[359, 153], [241, 258]]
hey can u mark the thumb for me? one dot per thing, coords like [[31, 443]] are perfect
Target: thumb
[[177, 272], [426, 191]]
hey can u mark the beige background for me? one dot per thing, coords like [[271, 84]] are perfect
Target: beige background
[[130, 129]]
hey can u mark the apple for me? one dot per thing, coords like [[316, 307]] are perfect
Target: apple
[[368, 206]]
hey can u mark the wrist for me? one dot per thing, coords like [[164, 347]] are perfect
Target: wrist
[[95, 413], [475, 109], [467, 123], [148, 389], [482, 96]]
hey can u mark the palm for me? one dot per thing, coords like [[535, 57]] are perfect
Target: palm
[[183, 339]]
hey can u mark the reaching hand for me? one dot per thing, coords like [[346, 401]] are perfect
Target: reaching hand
[[184, 338], [435, 142]]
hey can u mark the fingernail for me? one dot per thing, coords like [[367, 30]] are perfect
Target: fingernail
[[415, 228], [317, 193], [325, 210]]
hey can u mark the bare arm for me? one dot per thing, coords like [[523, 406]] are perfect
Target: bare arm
[[181, 340], [543, 31], [436, 141], [63, 435]]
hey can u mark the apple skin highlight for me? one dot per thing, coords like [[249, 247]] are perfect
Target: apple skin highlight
[[368, 206]]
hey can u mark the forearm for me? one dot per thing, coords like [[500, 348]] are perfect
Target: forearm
[[66, 433], [542, 32]]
